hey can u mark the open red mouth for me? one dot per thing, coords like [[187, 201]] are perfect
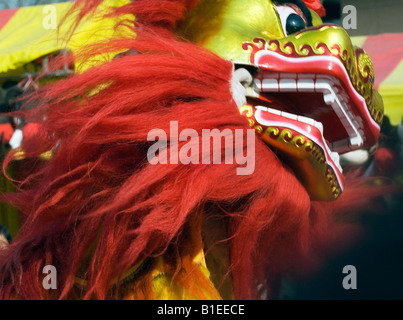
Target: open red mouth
[[317, 106], [329, 98], [302, 143], [320, 95], [308, 127]]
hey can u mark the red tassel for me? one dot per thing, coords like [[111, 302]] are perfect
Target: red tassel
[[316, 6]]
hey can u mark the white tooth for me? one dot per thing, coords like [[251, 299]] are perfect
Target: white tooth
[[288, 84], [305, 85], [319, 125], [356, 141], [306, 120], [336, 160], [335, 157], [261, 108], [270, 85], [289, 115], [277, 112], [329, 98]]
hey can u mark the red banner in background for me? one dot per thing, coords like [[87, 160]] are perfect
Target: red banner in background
[[386, 52], [6, 15]]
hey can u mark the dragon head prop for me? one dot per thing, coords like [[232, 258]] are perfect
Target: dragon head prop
[[313, 95]]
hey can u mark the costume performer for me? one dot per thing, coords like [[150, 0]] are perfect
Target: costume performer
[[116, 225]]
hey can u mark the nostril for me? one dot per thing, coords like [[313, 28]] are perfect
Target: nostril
[[294, 24]]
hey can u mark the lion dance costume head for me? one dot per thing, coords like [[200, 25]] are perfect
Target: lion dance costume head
[[116, 225]]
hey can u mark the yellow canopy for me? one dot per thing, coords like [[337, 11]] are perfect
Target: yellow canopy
[[28, 33]]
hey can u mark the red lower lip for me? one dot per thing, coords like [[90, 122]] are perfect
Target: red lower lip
[[309, 131], [300, 143]]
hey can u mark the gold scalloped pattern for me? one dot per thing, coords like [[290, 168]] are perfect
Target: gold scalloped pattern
[[295, 141]]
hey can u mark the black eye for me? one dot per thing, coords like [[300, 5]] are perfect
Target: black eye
[[294, 23], [291, 18]]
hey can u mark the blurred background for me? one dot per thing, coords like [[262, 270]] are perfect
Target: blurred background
[[373, 16]]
